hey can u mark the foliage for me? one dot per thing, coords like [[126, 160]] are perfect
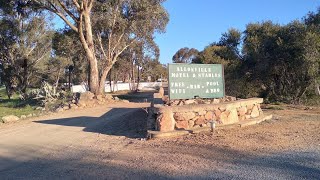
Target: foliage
[[136, 69], [277, 62], [138, 63], [273, 54], [46, 94], [153, 69], [211, 55], [67, 51], [107, 28], [230, 41], [185, 55], [26, 42]]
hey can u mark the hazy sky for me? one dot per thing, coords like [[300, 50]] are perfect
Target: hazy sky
[[197, 23]]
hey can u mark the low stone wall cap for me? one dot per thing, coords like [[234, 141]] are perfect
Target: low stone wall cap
[[195, 107]]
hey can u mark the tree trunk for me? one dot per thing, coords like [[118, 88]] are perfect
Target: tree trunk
[[9, 91], [86, 38], [94, 78], [138, 81], [69, 79], [317, 88], [25, 77], [88, 76], [103, 78], [133, 82], [110, 81], [58, 78]]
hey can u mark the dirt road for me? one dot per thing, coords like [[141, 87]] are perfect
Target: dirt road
[[104, 143]]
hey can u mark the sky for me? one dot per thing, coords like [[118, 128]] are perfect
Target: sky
[[197, 23]]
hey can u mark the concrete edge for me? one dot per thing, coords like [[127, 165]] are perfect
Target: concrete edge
[[158, 134], [255, 121]]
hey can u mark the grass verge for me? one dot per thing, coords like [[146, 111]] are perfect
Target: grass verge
[[13, 106]]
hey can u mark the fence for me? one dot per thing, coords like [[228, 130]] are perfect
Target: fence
[[119, 87]]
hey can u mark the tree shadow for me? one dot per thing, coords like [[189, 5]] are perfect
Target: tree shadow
[[129, 122], [167, 159], [235, 164], [210, 162], [73, 166], [11, 103], [138, 97]]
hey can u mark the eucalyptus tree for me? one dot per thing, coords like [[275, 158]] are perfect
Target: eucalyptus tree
[[231, 41], [131, 64], [185, 55], [211, 55], [312, 20], [67, 51], [106, 28], [25, 37], [284, 59], [153, 69]]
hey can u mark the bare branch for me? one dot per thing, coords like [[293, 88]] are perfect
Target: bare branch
[[114, 17], [90, 5], [82, 38], [118, 42], [76, 4], [72, 26], [55, 10], [101, 46], [38, 60], [125, 47], [64, 7], [109, 45]]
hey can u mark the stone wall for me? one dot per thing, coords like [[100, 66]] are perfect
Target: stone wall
[[169, 118]]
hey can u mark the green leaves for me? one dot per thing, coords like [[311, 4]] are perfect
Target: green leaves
[[185, 55], [283, 59], [26, 43]]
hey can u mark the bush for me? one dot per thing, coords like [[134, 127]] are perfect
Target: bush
[[46, 94]]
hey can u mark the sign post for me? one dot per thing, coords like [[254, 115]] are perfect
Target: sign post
[[190, 81]]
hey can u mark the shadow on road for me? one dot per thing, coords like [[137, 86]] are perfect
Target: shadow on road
[[211, 163], [138, 97], [129, 122], [72, 167]]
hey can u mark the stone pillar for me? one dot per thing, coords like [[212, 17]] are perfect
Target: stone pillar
[[165, 121]]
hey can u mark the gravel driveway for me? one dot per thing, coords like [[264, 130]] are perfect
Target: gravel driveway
[[105, 143]]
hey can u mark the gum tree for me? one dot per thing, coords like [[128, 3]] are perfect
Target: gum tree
[[25, 37], [107, 27]]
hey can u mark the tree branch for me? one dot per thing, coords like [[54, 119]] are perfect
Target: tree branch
[[76, 4], [82, 38], [90, 5], [64, 7], [72, 26], [118, 42], [101, 46], [117, 54], [55, 10]]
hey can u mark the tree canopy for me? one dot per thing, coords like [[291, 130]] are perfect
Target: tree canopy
[[185, 55], [25, 37], [277, 62], [107, 28], [97, 34]]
